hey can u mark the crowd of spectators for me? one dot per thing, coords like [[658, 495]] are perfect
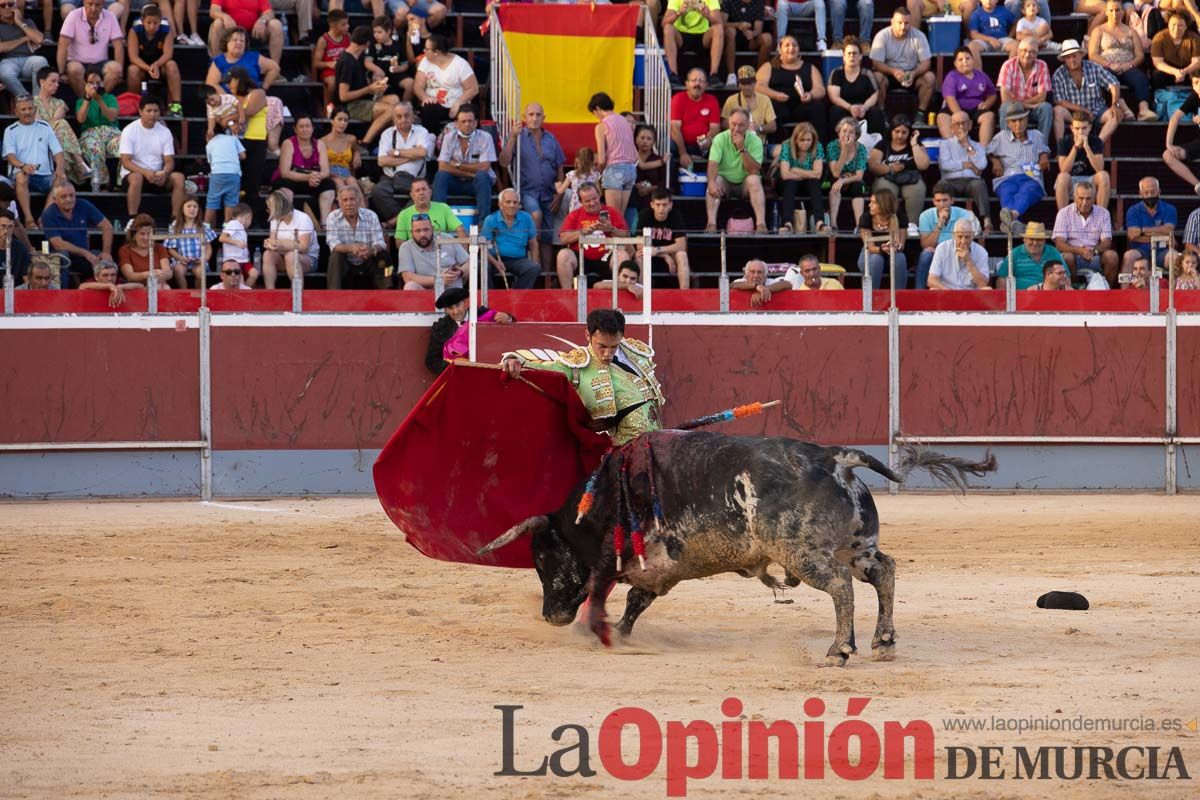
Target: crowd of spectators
[[792, 140]]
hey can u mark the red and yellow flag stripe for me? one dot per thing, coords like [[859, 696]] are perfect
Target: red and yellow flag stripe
[[564, 54]]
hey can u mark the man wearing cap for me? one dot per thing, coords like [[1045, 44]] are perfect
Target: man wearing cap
[[762, 110], [1025, 80], [1019, 156], [1079, 85], [1029, 258], [1083, 234], [960, 263], [456, 302]]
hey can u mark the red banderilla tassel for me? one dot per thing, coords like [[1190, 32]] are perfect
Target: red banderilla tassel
[[639, 547], [619, 542]]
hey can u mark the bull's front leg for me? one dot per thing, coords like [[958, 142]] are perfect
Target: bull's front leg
[[599, 585], [637, 601]]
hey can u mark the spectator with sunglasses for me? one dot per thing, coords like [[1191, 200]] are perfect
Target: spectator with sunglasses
[[231, 278], [84, 41]]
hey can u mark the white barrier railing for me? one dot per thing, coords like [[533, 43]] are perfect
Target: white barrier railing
[[505, 92], [656, 99]]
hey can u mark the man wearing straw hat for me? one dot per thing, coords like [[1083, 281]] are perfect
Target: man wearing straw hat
[[1029, 258]]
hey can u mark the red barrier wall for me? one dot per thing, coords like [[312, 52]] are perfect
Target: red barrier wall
[[100, 385], [1025, 381], [1187, 376], [318, 388], [348, 387], [832, 380]]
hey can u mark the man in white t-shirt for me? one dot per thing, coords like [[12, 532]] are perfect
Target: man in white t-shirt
[[148, 159]]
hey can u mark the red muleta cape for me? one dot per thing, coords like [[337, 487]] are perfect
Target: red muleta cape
[[480, 453]]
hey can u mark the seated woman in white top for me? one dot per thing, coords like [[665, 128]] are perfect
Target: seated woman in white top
[[292, 243]]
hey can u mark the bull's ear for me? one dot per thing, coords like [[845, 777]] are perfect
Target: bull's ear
[[531, 525]]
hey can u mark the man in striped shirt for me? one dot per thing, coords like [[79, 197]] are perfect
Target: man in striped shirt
[[1083, 234], [1080, 85], [1026, 80], [1019, 157]]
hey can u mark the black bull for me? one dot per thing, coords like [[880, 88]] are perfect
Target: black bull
[[731, 504]]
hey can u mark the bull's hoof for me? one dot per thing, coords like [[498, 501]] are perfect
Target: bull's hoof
[[884, 647], [883, 653], [836, 660]]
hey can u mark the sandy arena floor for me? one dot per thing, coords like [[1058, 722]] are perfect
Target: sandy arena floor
[[301, 649]]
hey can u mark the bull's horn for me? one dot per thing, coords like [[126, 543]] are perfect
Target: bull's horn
[[531, 525]]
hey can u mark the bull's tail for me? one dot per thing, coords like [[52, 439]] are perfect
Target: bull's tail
[[949, 471]]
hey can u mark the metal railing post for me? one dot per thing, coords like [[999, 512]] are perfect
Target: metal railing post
[[152, 285], [648, 287], [205, 319], [893, 391], [472, 291], [1010, 286], [505, 93], [868, 300], [8, 278], [657, 92], [1172, 421], [581, 286], [723, 282]]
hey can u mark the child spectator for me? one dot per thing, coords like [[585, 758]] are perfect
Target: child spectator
[[331, 45], [236, 242], [152, 57], [190, 254], [584, 172], [390, 56], [225, 154], [221, 109], [989, 31], [1031, 26]]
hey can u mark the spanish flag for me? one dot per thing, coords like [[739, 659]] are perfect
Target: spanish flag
[[565, 54]]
